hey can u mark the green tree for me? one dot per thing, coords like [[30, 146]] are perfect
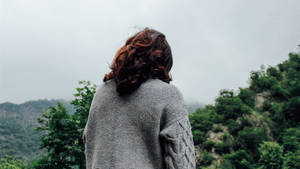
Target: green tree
[[202, 122], [291, 160], [291, 140], [240, 159], [60, 130], [247, 96], [291, 110], [230, 105], [63, 131], [250, 138], [271, 155], [206, 158], [42, 163], [82, 102], [9, 162]]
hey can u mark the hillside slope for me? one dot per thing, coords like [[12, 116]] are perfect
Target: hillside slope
[[18, 137], [254, 127]]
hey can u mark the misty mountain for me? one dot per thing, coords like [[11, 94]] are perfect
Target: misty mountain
[[18, 137]]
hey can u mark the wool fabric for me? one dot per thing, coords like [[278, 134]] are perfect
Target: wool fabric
[[148, 129]]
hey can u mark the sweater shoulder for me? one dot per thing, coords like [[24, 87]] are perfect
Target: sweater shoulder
[[161, 85], [161, 89], [154, 88]]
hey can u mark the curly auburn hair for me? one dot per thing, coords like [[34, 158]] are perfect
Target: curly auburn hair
[[145, 55]]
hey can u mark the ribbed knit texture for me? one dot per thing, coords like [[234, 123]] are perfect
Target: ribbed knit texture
[[148, 129]]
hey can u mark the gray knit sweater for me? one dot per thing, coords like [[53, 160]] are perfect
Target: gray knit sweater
[[148, 129]]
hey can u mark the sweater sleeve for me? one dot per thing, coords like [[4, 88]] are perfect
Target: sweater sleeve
[[176, 135]]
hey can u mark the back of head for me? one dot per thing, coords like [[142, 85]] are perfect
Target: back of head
[[145, 55]]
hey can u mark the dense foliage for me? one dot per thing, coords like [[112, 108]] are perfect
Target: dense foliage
[[9, 162], [254, 127]]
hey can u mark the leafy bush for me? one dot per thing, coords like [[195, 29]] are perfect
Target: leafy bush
[[294, 90], [291, 110], [42, 163], [198, 137], [206, 159], [278, 92], [226, 164], [222, 148], [202, 122], [250, 138], [274, 72], [202, 119], [217, 129], [226, 138], [208, 145], [291, 140], [247, 96], [230, 106], [245, 122], [291, 160], [233, 126], [271, 155], [9, 162], [260, 81], [266, 105], [277, 113], [240, 159]]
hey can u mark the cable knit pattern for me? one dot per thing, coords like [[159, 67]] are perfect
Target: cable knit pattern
[[179, 145], [149, 129]]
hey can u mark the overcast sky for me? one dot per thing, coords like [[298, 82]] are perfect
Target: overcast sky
[[47, 46]]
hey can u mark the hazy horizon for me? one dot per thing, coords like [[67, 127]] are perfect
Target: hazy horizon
[[46, 47]]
